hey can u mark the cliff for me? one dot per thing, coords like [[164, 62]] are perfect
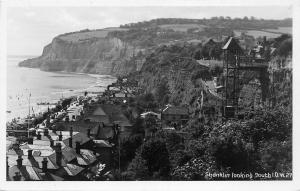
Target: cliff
[[88, 52]]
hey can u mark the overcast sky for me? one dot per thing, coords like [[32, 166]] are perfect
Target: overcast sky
[[29, 29]]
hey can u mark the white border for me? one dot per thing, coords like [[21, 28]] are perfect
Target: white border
[[157, 185]]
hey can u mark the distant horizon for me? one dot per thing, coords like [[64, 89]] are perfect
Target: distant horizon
[[31, 55], [30, 29]]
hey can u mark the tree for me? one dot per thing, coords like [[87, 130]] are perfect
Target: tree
[[128, 148], [138, 126], [155, 153], [245, 18], [137, 169], [285, 48], [195, 169], [162, 92]]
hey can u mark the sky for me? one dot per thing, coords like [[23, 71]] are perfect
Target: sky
[[29, 29]]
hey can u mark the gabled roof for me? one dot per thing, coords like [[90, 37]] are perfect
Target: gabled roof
[[232, 45], [99, 111]]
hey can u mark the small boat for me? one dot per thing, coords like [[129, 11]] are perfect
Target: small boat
[[8, 111]]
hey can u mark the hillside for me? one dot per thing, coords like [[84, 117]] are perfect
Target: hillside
[[122, 50], [89, 52]]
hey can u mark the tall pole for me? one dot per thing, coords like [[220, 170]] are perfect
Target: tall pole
[[28, 114]]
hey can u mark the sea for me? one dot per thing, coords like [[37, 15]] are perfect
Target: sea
[[28, 86]]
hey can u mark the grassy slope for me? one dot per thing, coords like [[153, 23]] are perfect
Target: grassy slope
[[182, 27], [80, 36]]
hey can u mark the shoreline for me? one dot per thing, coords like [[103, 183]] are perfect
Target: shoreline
[[18, 109]]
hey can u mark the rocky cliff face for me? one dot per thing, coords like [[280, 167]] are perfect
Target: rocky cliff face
[[88, 53]]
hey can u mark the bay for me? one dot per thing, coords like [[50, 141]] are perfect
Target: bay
[[45, 87]]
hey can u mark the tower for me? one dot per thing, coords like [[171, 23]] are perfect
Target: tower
[[231, 63]]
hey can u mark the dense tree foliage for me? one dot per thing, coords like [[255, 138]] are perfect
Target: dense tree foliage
[[155, 152], [238, 23], [260, 142]]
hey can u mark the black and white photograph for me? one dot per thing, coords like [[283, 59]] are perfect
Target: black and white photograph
[[146, 93]]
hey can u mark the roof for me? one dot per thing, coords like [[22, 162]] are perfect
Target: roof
[[32, 173], [73, 169], [35, 161], [175, 110], [69, 154], [104, 132], [203, 64], [102, 143], [232, 45], [82, 138], [99, 111], [115, 114], [209, 41], [86, 157], [149, 113], [99, 118], [26, 173]]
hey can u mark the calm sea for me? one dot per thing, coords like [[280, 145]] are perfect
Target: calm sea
[[44, 87]]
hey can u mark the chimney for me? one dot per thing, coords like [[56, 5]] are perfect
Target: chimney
[[19, 161], [51, 142], [77, 147], [39, 136], [60, 137], [58, 154], [71, 142], [46, 132], [29, 153], [44, 164], [30, 140], [88, 132], [17, 176]]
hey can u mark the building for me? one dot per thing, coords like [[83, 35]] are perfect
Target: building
[[150, 114], [175, 114], [53, 155], [110, 115]]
